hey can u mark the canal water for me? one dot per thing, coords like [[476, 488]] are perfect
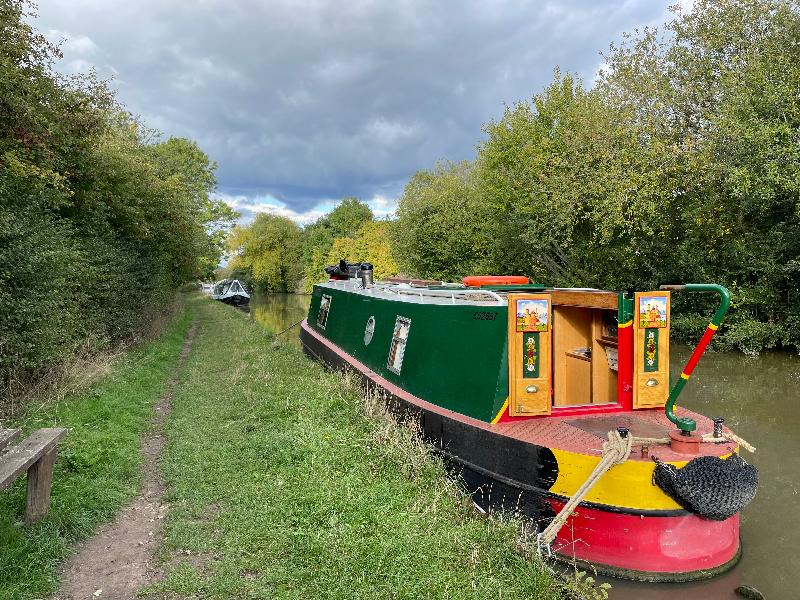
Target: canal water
[[279, 311], [760, 400]]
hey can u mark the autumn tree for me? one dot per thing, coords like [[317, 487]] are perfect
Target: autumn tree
[[270, 251], [371, 243]]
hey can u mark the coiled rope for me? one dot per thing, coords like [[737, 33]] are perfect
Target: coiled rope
[[615, 451]]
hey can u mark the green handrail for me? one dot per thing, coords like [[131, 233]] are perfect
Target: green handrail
[[686, 424]]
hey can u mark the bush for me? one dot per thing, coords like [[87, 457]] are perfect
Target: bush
[[100, 221]]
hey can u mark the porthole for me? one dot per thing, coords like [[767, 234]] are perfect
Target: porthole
[[369, 330]]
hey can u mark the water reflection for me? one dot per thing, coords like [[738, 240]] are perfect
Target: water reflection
[[279, 311], [760, 401]]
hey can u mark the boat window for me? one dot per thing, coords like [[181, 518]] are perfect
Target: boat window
[[236, 287], [398, 347], [369, 330], [226, 288], [324, 308]]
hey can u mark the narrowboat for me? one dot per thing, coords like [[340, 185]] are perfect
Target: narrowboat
[[230, 291], [526, 391]]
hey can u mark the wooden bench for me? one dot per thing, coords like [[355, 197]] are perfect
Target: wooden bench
[[36, 455]]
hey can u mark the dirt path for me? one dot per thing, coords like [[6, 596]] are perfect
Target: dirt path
[[114, 564]]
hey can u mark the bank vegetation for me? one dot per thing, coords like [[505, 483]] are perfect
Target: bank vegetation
[[680, 163], [101, 219]]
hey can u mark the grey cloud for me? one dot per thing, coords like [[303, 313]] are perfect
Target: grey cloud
[[308, 100]]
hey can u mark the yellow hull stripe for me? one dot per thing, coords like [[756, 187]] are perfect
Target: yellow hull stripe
[[712, 327], [629, 485], [623, 325], [685, 376], [501, 413]]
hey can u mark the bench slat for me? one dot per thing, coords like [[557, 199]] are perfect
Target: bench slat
[[23, 455], [7, 437]]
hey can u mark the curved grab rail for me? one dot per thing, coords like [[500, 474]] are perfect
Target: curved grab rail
[[686, 424]]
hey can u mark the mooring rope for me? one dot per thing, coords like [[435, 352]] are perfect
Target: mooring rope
[[289, 327], [731, 437], [615, 451]]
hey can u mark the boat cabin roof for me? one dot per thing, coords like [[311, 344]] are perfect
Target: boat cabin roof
[[449, 293]]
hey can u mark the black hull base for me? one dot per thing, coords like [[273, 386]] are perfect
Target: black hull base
[[236, 300], [522, 472]]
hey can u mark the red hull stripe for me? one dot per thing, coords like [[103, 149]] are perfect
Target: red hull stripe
[[679, 544]]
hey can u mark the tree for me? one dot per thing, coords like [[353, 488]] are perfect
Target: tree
[[100, 220], [719, 90], [343, 221], [184, 165], [681, 163], [370, 244], [444, 229], [583, 199], [270, 250], [348, 216]]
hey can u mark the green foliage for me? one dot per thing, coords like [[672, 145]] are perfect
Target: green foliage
[[270, 251], [587, 587], [348, 217], [100, 221], [682, 163], [369, 244], [444, 229], [344, 221], [575, 189]]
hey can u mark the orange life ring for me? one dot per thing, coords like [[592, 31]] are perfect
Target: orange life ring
[[481, 280]]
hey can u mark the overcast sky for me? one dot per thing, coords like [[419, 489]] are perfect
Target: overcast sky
[[304, 102]]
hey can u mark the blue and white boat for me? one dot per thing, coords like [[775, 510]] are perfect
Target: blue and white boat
[[230, 291]]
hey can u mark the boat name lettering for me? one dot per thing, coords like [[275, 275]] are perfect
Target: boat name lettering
[[480, 315]]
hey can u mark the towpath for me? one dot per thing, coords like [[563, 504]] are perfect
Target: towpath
[[116, 562]]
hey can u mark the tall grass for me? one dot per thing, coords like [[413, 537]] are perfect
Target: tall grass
[[285, 482]]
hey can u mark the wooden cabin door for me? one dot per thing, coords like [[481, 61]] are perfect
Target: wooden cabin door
[[529, 354], [651, 349]]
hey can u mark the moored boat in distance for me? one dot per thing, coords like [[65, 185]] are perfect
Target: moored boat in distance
[[230, 291], [541, 398]]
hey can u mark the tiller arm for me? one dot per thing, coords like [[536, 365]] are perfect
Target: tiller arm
[[685, 424]]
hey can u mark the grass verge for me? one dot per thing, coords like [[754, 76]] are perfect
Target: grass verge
[[98, 467], [284, 483]]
